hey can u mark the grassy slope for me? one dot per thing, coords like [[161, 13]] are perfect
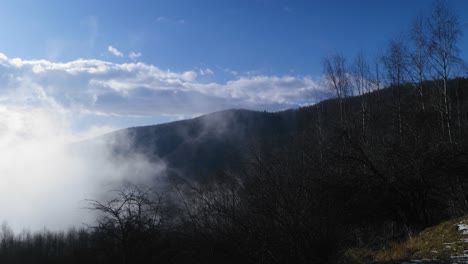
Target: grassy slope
[[443, 241]]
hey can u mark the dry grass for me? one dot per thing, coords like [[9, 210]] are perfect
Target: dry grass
[[438, 242]]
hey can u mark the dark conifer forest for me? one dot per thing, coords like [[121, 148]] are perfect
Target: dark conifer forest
[[381, 160]]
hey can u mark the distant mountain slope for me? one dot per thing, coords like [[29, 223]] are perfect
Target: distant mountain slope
[[201, 147], [206, 145]]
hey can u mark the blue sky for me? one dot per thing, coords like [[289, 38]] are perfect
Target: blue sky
[[188, 57]]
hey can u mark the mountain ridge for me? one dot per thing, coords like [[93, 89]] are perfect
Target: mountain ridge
[[204, 145]]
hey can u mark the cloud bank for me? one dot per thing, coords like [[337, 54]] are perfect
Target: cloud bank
[[45, 177], [106, 88]]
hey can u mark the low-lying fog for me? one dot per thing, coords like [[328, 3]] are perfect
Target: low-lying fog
[[45, 176]]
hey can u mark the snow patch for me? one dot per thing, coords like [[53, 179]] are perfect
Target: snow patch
[[464, 228]]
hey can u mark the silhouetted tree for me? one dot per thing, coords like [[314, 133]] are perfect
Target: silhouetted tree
[[419, 55], [395, 64], [337, 79], [132, 218], [444, 34]]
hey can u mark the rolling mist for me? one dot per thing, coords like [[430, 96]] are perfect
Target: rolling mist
[[47, 171]]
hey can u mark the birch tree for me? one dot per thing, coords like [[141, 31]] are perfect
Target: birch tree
[[337, 79], [444, 34]]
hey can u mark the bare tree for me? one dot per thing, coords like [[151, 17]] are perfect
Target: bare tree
[[395, 64], [7, 237], [419, 57], [377, 76], [362, 83], [337, 79], [132, 217], [444, 32]]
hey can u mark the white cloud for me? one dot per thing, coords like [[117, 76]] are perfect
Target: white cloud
[[134, 55], [206, 71], [232, 72], [114, 51], [96, 86], [58, 175]]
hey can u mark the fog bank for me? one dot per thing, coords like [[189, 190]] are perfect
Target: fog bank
[[46, 174]]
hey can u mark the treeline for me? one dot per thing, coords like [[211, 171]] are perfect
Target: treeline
[[383, 160]]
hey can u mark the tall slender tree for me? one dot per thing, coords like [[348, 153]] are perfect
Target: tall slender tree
[[418, 57], [395, 64], [444, 34], [361, 72], [337, 79]]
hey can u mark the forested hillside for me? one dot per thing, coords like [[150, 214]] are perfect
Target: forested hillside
[[303, 185], [341, 181]]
